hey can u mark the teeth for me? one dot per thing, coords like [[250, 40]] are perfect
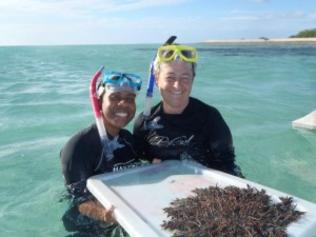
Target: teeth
[[176, 93], [121, 114]]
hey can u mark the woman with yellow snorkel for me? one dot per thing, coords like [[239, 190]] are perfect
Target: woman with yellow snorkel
[[181, 127]]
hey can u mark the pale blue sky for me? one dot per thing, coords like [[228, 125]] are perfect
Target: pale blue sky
[[34, 22]]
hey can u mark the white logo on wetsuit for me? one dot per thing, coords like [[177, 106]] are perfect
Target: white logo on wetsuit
[[110, 146], [127, 165], [162, 141], [153, 124]]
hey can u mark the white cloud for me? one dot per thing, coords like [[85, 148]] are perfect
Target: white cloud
[[241, 18], [272, 24], [65, 12], [312, 15], [102, 30], [294, 15], [76, 21], [79, 6], [259, 1], [109, 21], [264, 16]]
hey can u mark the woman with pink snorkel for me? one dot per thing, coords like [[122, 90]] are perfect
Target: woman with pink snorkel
[[102, 147]]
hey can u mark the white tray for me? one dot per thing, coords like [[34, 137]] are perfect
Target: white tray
[[307, 122], [140, 194]]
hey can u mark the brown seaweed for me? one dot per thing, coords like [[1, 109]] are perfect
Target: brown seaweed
[[230, 211]]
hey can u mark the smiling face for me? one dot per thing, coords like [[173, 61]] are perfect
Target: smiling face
[[174, 80], [118, 109]]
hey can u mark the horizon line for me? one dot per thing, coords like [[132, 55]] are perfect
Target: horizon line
[[209, 41]]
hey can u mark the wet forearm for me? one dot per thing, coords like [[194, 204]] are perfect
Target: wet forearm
[[95, 210]]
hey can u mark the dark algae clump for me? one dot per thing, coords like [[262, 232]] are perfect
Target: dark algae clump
[[230, 211]]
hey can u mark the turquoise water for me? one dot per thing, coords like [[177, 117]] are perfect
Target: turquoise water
[[44, 100]]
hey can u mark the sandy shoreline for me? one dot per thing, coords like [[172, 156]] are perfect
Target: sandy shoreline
[[264, 41]]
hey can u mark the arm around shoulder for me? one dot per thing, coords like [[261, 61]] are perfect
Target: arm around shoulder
[[139, 134]]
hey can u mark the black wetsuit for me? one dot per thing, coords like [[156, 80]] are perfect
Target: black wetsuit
[[199, 133], [83, 157]]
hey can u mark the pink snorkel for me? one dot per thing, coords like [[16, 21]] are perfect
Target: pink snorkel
[[108, 145], [95, 105]]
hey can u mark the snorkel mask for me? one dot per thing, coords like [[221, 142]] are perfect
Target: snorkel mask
[[175, 52], [168, 53], [117, 81], [114, 81]]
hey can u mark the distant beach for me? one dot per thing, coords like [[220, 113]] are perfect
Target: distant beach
[[264, 41]]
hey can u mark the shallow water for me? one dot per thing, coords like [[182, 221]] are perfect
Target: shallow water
[[44, 100]]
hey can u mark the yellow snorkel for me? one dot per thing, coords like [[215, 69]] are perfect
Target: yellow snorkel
[[151, 81]]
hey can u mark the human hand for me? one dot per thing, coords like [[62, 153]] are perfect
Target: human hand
[[108, 215], [156, 161], [95, 210]]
